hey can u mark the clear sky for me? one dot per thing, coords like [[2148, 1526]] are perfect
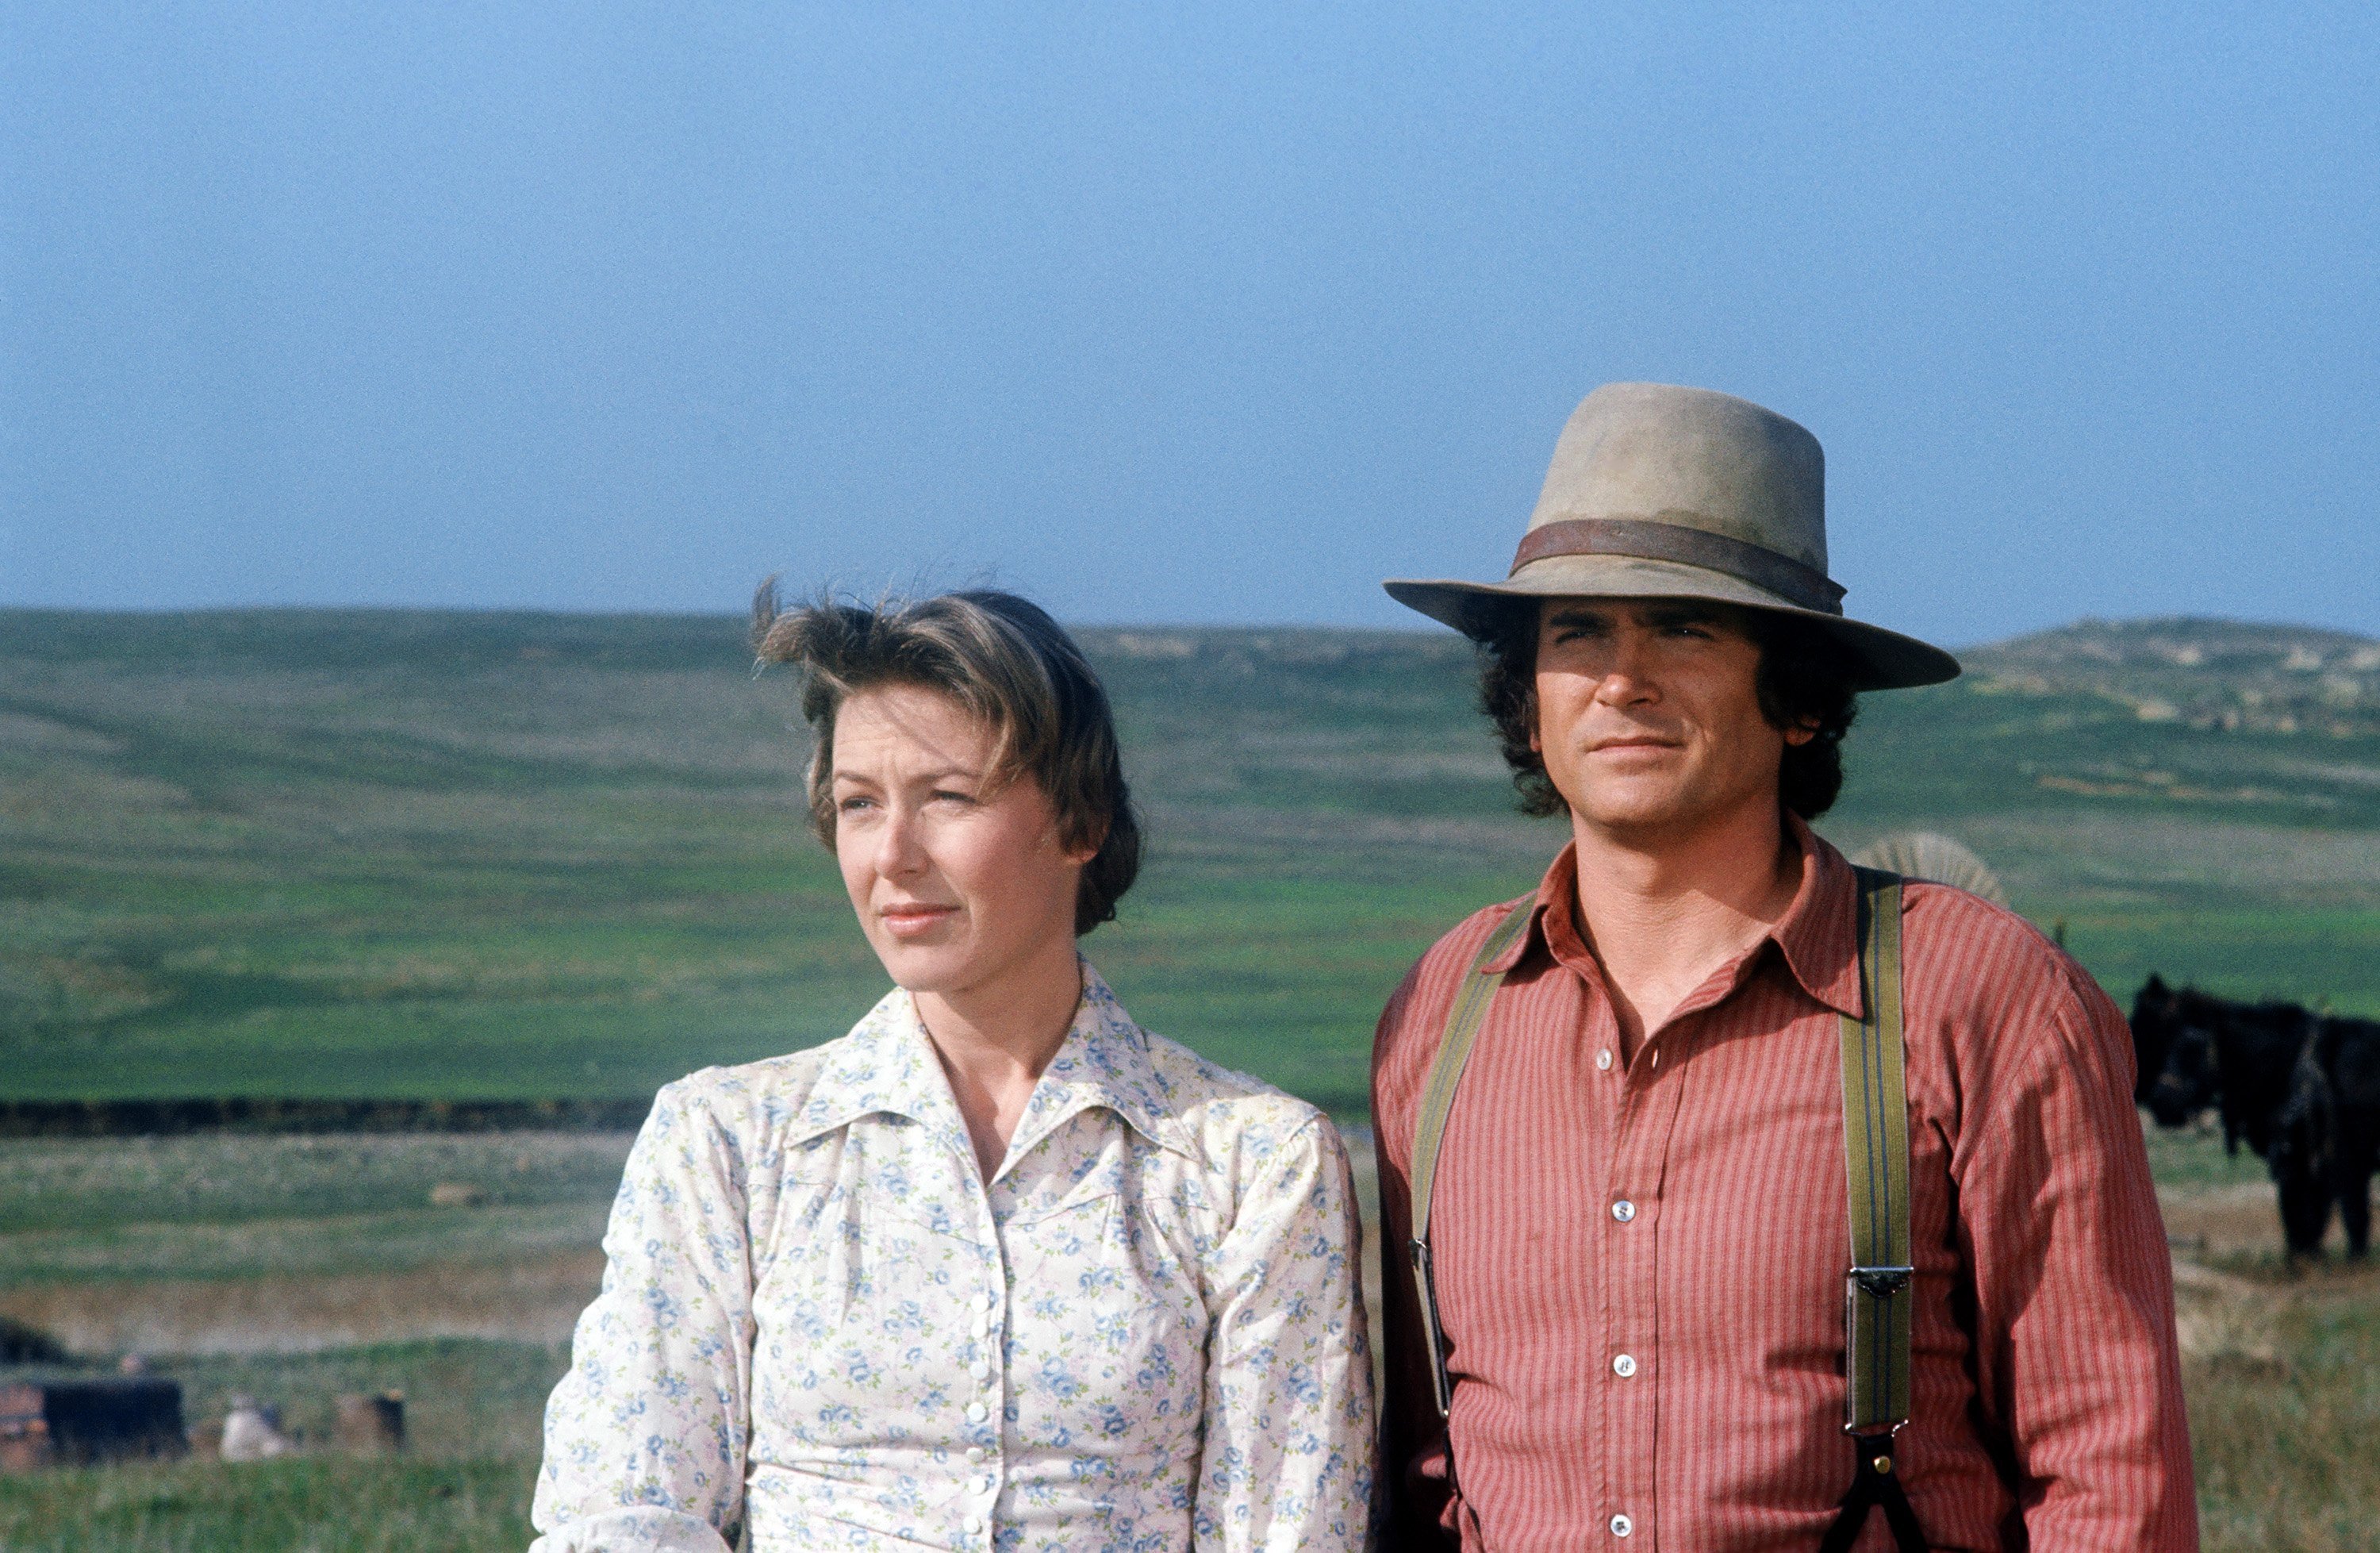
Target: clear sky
[[1172, 313]]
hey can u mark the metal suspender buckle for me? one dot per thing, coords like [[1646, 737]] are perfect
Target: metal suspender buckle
[[1425, 1275], [1881, 1283]]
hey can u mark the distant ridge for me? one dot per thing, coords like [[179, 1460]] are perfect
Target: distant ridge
[[2208, 673]]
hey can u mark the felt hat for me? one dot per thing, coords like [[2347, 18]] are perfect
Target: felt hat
[[1657, 492]]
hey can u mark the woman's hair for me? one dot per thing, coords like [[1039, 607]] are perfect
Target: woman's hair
[[1805, 680], [1005, 660]]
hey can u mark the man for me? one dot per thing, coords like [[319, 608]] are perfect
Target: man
[[1639, 1200]]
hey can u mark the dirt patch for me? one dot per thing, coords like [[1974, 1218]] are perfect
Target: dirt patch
[[2221, 1220], [535, 1300]]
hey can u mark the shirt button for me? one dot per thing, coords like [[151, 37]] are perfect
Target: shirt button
[[1624, 1210], [1623, 1366], [1603, 1060], [978, 1412], [1622, 1525]]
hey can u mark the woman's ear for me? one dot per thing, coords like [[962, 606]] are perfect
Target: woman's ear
[[1080, 852]]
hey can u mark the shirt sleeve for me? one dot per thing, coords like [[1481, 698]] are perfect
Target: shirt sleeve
[[1414, 1486], [1287, 1463], [645, 1437], [2076, 1354]]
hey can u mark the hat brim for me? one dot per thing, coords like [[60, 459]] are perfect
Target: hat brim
[[1888, 660]]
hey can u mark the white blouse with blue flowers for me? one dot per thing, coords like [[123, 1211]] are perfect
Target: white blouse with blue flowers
[[1143, 1334]]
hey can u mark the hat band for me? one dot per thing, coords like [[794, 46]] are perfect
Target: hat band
[[1782, 575]]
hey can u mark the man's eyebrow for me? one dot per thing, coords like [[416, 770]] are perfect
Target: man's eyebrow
[[1577, 615], [1684, 615]]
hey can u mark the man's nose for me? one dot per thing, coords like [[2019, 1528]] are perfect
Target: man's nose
[[1625, 678]]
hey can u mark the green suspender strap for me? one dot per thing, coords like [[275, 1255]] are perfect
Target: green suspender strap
[[1471, 1001], [1877, 1296]]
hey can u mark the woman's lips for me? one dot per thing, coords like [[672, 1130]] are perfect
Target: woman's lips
[[910, 921]]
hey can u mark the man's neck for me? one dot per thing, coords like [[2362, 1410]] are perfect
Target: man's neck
[[1662, 913]]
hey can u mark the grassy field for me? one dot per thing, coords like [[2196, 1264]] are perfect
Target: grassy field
[[418, 854], [2283, 1371], [431, 855]]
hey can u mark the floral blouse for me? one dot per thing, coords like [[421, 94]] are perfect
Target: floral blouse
[[1145, 1333]]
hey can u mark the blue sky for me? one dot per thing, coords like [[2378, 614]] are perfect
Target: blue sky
[[1213, 313]]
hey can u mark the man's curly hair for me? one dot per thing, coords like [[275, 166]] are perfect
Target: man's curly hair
[[1805, 678]]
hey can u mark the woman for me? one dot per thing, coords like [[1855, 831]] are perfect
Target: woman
[[998, 1269]]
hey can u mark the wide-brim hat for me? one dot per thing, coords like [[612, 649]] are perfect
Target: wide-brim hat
[[1659, 491]]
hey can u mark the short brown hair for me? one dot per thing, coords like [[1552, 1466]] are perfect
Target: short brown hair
[[1002, 658], [1804, 679]]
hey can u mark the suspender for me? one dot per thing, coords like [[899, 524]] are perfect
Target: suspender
[[1876, 1302], [1471, 1001]]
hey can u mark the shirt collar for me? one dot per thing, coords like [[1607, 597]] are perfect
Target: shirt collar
[[1817, 936], [887, 1065]]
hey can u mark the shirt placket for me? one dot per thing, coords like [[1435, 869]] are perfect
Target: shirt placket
[[985, 1431], [1627, 1226]]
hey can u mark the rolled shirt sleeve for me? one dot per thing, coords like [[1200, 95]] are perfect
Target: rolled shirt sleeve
[[646, 1436], [1287, 1463]]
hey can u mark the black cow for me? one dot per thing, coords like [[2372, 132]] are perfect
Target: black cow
[[2337, 1089], [2264, 1068]]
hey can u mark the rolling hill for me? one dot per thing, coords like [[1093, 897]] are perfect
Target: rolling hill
[[419, 854]]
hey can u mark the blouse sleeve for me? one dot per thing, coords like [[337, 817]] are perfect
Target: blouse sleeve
[[1287, 1463], [645, 1437]]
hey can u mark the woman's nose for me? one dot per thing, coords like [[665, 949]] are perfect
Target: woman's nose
[[899, 847]]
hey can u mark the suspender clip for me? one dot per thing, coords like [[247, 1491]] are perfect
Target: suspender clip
[[1425, 1278], [1881, 1283]]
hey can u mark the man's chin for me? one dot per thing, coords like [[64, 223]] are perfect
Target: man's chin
[[1628, 815]]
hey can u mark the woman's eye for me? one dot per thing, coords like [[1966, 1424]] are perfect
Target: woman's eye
[[953, 796], [853, 805]]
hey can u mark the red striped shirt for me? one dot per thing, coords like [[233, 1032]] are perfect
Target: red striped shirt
[[1677, 1361]]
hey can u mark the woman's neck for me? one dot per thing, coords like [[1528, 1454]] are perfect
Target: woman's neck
[[994, 1039]]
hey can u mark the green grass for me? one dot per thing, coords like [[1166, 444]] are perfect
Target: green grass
[[2284, 1452], [431, 855], [315, 1505], [464, 1482], [413, 855]]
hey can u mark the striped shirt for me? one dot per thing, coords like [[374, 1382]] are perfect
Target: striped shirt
[[1640, 1258]]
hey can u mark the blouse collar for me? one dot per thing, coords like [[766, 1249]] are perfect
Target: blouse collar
[[887, 1065]]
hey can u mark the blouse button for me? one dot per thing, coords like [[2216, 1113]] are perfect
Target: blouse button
[[978, 1412], [975, 1453], [1622, 1525]]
